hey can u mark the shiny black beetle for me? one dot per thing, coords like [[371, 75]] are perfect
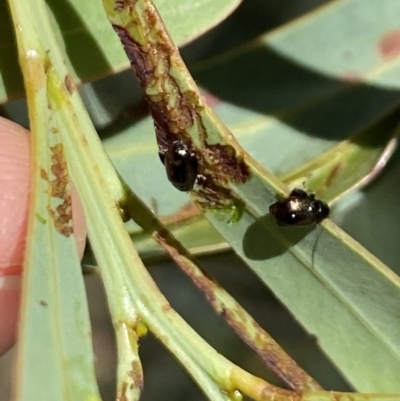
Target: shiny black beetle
[[181, 165], [299, 209]]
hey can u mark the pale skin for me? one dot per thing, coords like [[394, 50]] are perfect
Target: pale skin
[[14, 198]]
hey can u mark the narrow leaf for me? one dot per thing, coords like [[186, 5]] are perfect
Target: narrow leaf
[[54, 334]]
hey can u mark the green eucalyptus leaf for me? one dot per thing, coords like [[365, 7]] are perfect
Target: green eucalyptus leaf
[[377, 208], [54, 334], [90, 43], [308, 85], [338, 291], [196, 235]]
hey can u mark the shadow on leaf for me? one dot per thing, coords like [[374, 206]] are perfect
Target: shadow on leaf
[[264, 239]]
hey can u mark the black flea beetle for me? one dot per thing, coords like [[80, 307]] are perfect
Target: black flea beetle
[[299, 209], [181, 165]]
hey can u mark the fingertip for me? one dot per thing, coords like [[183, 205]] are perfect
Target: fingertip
[[14, 201], [14, 180], [10, 292]]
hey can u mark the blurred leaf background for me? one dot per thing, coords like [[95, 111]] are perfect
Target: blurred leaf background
[[276, 91]]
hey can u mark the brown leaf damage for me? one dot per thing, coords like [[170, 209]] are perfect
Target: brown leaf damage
[[177, 107], [389, 45], [69, 84], [135, 381], [174, 112], [59, 188]]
